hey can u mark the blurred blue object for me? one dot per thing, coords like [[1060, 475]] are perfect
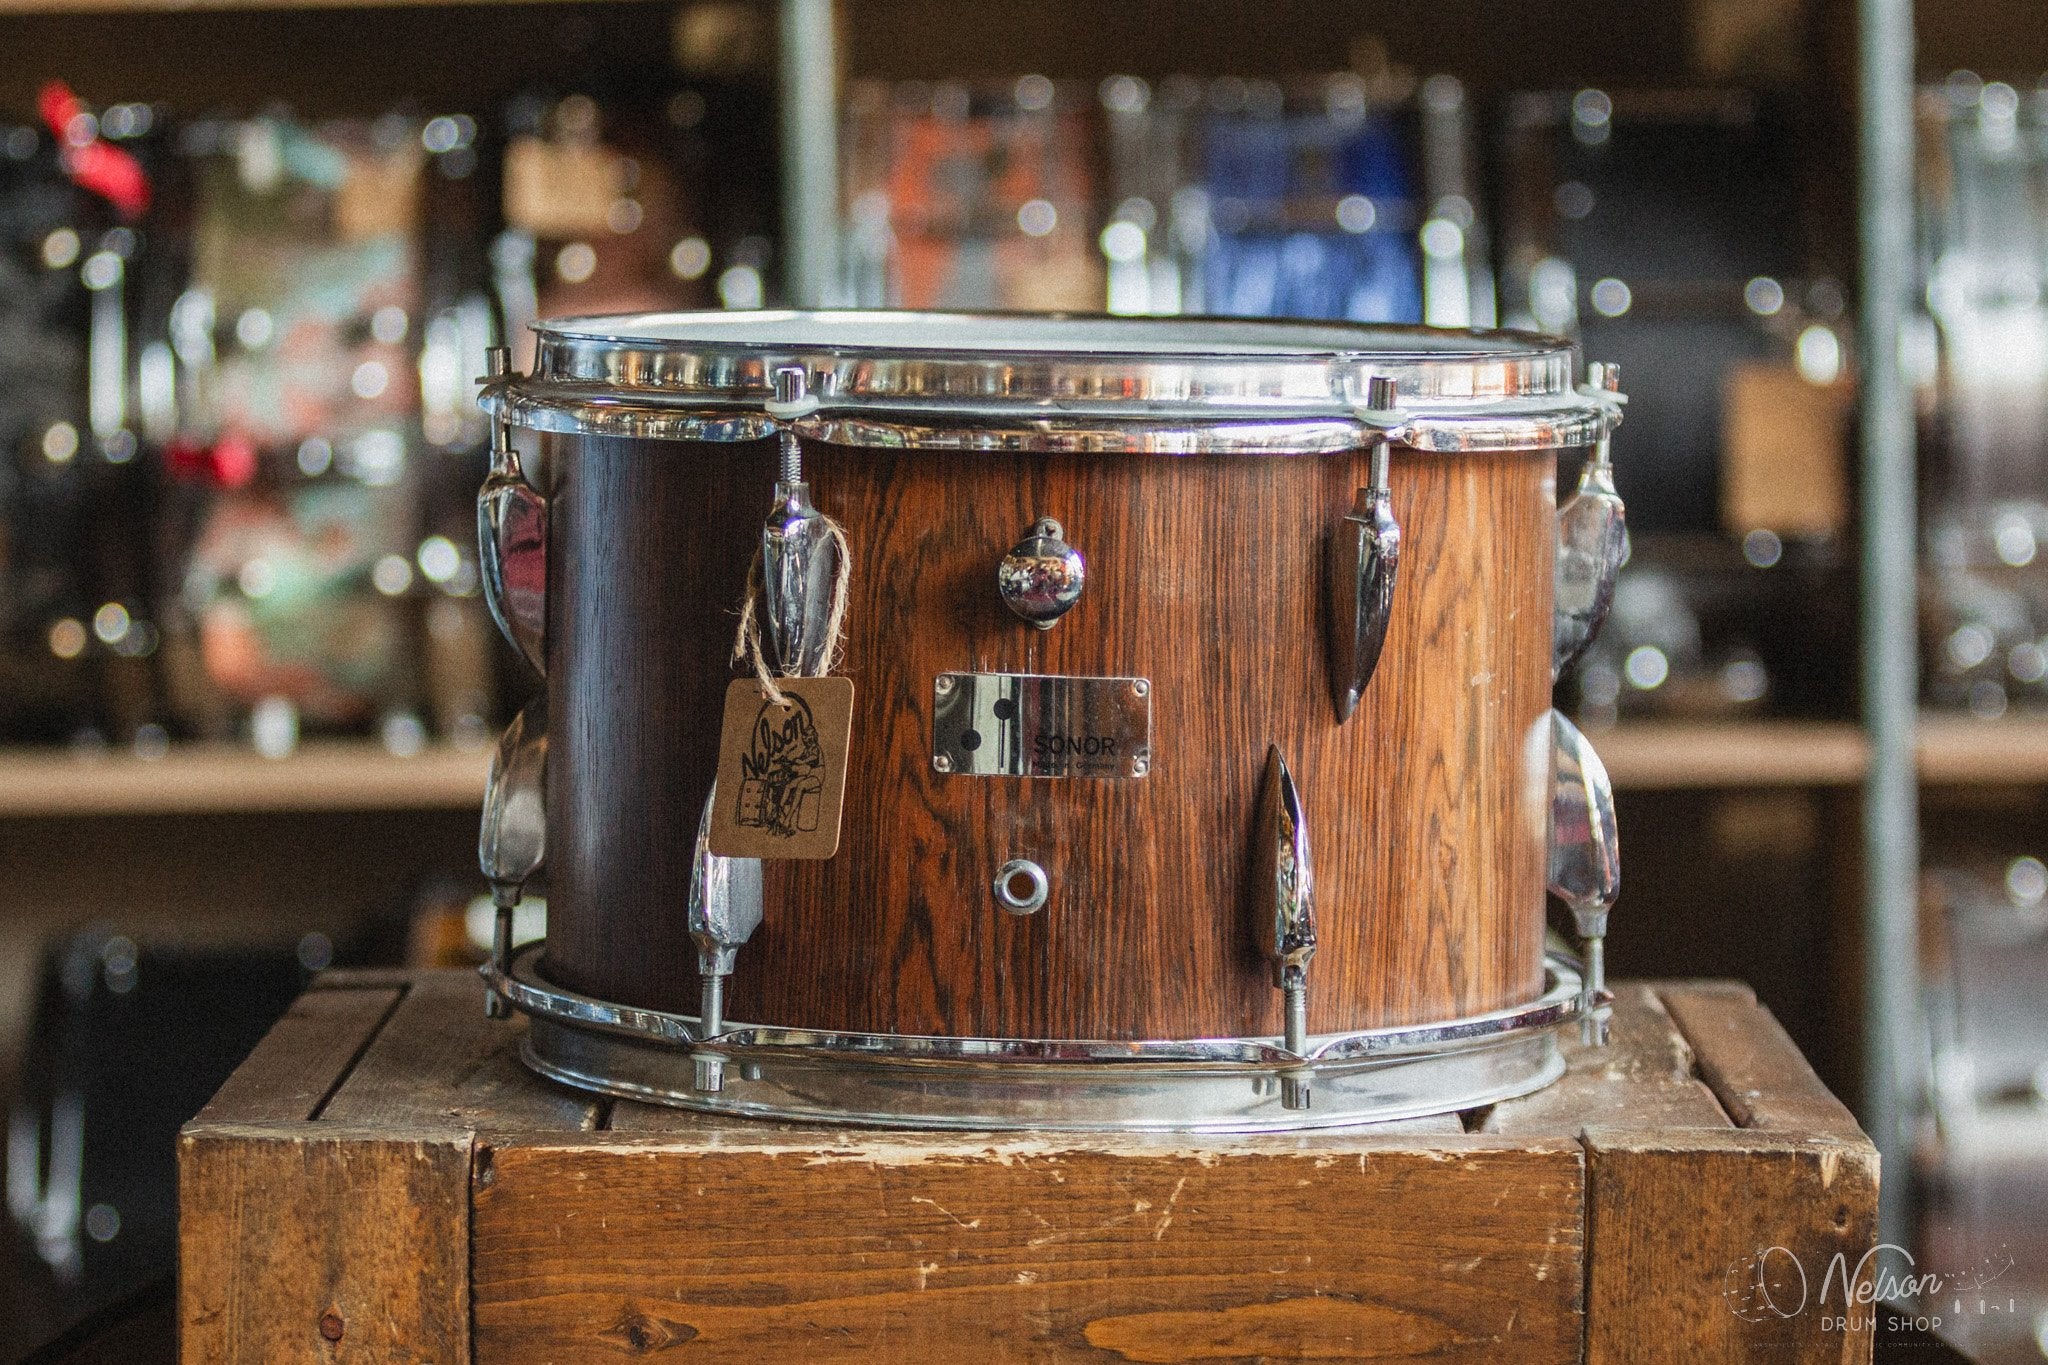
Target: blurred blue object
[[1367, 277], [1311, 216]]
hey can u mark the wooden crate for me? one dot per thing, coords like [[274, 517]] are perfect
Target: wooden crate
[[382, 1181]]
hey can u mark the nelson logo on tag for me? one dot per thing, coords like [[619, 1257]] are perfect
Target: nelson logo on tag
[[782, 769]]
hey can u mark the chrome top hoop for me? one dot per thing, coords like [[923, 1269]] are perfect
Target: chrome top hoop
[[1023, 383]]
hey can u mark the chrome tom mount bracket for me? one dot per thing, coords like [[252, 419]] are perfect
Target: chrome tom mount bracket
[[1363, 558]]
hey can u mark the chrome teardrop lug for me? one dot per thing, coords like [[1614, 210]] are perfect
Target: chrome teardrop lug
[[799, 555], [512, 540], [1592, 543], [512, 534], [1362, 561]]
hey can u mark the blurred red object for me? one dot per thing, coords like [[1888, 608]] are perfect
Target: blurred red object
[[94, 164], [229, 462]]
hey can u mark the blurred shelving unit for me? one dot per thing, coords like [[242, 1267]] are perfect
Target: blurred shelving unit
[[372, 47]]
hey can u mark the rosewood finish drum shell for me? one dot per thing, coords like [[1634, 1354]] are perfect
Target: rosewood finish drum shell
[[1198, 467]]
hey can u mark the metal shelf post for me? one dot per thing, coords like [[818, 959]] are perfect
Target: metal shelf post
[[1890, 663], [809, 99]]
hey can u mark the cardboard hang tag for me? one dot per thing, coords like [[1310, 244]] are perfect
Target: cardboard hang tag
[[782, 769]]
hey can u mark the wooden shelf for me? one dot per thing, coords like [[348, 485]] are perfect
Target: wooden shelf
[[1963, 750], [1953, 751], [118, 7], [206, 779], [1694, 755]]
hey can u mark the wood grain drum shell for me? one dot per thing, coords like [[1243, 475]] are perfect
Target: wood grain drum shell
[[1426, 811]]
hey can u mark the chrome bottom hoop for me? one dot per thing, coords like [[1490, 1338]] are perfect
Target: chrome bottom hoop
[[1200, 1085]]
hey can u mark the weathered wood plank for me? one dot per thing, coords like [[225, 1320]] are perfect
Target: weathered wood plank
[[630, 1116], [1643, 1078], [1753, 1067], [1699, 1231], [933, 1247], [303, 1057], [322, 1243], [441, 1062], [1711, 1246]]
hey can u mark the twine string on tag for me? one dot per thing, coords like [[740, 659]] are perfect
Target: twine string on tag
[[746, 645]]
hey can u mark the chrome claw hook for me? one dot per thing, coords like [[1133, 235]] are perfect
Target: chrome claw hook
[[1585, 857], [1362, 560], [1283, 890], [512, 836], [1592, 537], [725, 909]]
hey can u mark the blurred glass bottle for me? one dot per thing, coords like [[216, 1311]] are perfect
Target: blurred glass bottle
[[655, 198], [1982, 357], [298, 429], [75, 217], [1344, 196], [970, 195], [1664, 231]]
